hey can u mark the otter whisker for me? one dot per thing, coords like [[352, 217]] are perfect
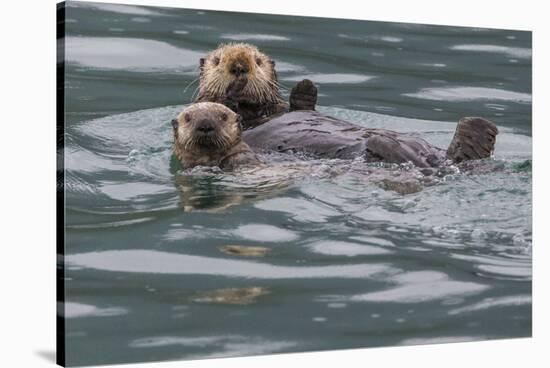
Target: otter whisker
[[189, 84]]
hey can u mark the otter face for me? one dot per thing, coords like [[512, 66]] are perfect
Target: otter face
[[206, 126], [241, 72]]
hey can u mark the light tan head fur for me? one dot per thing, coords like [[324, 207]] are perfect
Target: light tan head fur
[[206, 129], [232, 61]]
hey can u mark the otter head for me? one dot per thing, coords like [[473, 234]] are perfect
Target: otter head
[[206, 127], [238, 71]]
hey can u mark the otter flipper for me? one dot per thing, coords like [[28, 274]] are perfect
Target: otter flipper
[[303, 96], [474, 139]]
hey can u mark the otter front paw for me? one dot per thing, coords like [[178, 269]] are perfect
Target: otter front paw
[[303, 96]]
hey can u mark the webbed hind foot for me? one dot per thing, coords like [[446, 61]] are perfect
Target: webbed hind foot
[[474, 139]]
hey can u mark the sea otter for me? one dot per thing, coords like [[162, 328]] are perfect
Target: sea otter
[[242, 78], [209, 134]]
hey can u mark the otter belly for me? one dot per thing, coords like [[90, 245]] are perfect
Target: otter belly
[[323, 136]]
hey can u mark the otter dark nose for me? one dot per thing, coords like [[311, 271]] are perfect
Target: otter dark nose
[[238, 69], [205, 126]]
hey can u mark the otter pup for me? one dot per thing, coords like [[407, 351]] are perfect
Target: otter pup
[[244, 79], [209, 134]]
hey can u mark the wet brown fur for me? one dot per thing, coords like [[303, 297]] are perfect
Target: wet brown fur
[[223, 148]]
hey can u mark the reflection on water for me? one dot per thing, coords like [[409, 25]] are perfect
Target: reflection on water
[[79, 310], [416, 287], [330, 78], [518, 52], [253, 37], [302, 254], [128, 54], [146, 261], [470, 93]]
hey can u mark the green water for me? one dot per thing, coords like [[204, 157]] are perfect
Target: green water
[[349, 264]]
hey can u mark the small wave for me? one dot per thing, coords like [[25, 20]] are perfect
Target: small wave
[[129, 53], [391, 39], [348, 249], [253, 37], [489, 303], [469, 94], [116, 8], [223, 345], [149, 261], [518, 52], [331, 78], [79, 310], [441, 340], [111, 224], [300, 209], [421, 286], [500, 267], [141, 20], [261, 232]]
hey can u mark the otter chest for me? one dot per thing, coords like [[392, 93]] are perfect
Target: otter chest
[[309, 132], [323, 136]]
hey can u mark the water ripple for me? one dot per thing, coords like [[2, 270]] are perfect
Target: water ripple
[[149, 261]]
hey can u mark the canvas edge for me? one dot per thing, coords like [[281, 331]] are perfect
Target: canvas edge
[[60, 183]]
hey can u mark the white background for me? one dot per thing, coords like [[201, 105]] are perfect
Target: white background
[[27, 202]]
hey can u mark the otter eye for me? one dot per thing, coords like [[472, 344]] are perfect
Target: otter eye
[[216, 60], [187, 117], [224, 116], [258, 61]]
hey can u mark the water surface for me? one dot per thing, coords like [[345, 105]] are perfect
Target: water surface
[[343, 263]]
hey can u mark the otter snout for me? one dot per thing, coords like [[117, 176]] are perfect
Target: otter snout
[[206, 126], [239, 68]]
